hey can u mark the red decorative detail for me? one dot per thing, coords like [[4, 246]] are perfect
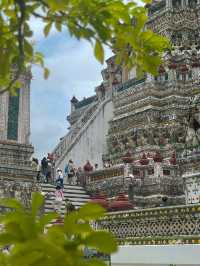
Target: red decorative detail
[[161, 70], [172, 160], [88, 167], [50, 157], [144, 160], [183, 68], [127, 158], [115, 82], [172, 65], [101, 200], [196, 64], [120, 203], [158, 157]]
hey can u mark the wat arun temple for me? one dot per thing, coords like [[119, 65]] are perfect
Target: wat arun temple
[[144, 134], [136, 141]]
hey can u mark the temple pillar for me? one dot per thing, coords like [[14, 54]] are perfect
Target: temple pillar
[[186, 2], [168, 3]]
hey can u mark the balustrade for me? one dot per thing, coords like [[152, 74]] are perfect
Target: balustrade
[[166, 225]]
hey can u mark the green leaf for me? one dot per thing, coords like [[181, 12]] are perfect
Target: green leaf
[[147, 1], [11, 203], [58, 26], [39, 59], [99, 51], [70, 222], [47, 29], [46, 73], [95, 262], [37, 203], [4, 259], [91, 211], [28, 48], [56, 5], [103, 241], [46, 219]]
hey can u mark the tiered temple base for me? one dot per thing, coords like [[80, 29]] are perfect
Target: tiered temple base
[[15, 161], [17, 178], [153, 185]]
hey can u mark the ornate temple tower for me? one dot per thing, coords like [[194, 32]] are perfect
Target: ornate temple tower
[[16, 173], [15, 113], [157, 119]]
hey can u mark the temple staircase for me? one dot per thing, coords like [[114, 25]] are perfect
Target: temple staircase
[[75, 194]]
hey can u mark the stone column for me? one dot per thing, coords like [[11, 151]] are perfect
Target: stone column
[[186, 2], [24, 112], [127, 170], [158, 170], [168, 4]]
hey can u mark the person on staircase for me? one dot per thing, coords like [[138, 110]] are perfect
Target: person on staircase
[[59, 178], [69, 171], [44, 166], [48, 174], [59, 198], [79, 176]]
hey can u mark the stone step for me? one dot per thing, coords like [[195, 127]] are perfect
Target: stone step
[[52, 188], [50, 206], [70, 187], [71, 199], [76, 194], [82, 196]]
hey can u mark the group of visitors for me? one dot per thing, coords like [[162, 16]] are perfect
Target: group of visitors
[[75, 176], [44, 169], [46, 172]]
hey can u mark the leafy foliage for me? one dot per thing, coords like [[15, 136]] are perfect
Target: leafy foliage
[[119, 25], [24, 230]]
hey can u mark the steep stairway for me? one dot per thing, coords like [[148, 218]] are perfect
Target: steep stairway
[[75, 194]]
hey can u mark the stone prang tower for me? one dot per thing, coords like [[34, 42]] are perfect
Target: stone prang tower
[[156, 122], [16, 173]]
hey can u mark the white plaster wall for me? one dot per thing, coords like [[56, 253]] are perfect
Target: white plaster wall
[[157, 255], [91, 144], [4, 98]]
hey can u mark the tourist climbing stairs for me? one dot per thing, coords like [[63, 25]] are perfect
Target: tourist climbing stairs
[[75, 194]]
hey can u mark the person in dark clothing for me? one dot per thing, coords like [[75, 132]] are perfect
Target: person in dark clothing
[[44, 164], [59, 179], [69, 171]]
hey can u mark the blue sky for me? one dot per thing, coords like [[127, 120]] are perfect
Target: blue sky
[[74, 71]]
